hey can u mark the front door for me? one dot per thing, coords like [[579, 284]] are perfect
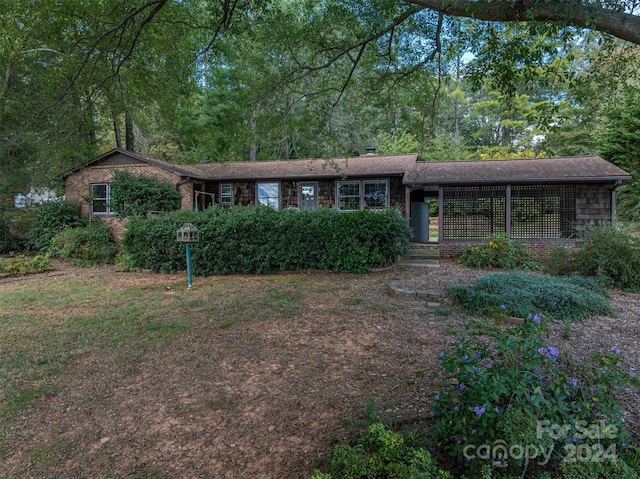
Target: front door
[[308, 196]]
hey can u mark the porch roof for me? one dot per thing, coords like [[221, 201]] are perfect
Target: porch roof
[[578, 169], [366, 165]]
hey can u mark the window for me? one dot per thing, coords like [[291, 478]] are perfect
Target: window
[[269, 194], [226, 194], [358, 194], [375, 194], [348, 195], [100, 197]]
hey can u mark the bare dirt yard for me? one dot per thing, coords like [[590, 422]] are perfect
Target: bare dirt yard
[[254, 379]]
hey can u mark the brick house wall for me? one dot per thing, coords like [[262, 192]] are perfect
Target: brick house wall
[[77, 188]]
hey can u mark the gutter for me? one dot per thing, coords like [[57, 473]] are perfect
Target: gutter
[[186, 179]]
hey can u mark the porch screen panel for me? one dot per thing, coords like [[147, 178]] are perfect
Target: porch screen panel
[[542, 211], [473, 212]]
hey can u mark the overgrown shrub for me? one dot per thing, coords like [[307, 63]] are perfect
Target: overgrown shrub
[[137, 195], [93, 243], [515, 294], [380, 453], [51, 218], [21, 265], [517, 404], [7, 241], [258, 239], [499, 252], [559, 262], [610, 253]]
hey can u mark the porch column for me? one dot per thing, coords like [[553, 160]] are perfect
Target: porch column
[[407, 202]]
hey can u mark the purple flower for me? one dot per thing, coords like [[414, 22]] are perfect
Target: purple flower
[[616, 351], [462, 386], [503, 306], [574, 382], [496, 409], [456, 408], [550, 352], [479, 410], [478, 354], [536, 318], [432, 413], [466, 357], [437, 397], [441, 354]]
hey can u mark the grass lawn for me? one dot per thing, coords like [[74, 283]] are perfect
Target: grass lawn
[[106, 374]]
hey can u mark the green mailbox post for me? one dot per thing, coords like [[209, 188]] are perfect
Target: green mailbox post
[[188, 234]]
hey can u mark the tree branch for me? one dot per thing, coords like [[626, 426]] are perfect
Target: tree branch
[[622, 25]]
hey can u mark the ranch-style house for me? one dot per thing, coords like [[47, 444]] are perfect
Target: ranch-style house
[[540, 201]]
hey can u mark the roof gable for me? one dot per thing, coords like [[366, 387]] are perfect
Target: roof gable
[[120, 157]]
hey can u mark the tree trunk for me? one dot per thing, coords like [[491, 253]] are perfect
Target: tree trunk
[[116, 132], [129, 136], [253, 123]]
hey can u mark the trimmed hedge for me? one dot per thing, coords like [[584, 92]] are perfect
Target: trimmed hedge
[[259, 239]]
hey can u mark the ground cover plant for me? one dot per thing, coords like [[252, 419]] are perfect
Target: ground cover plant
[[21, 265], [517, 294], [521, 406], [259, 239]]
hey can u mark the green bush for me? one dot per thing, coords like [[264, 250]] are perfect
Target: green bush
[[380, 454], [21, 265], [515, 294], [559, 261], [611, 254], [51, 218], [7, 241], [93, 243], [517, 403], [258, 239], [137, 195], [499, 252]]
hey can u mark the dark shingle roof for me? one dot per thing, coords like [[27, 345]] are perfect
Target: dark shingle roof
[[545, 170], [566, 169], [367, 165]]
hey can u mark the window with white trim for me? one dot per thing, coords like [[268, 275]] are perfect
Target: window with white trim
[[269, 194], [226, 194], [355, 195], [100, 198], [376, 194]]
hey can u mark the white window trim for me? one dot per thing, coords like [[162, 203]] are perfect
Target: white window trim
[[107, 199], [277, 198], [361, 192], [226, 199]]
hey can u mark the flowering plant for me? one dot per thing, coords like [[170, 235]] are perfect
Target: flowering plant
[[507, 381]]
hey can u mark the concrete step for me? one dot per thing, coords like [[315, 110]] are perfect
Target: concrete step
[[422, 254]]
